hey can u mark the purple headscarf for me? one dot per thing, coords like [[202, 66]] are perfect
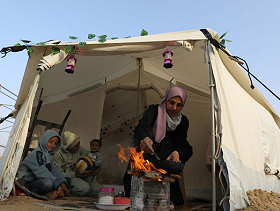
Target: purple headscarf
[[160, 123]]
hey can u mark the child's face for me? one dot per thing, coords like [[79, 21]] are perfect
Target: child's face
[[95, 146], [51, 144], [75, 148]]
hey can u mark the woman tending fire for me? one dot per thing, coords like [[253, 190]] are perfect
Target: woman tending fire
[[162, 132]]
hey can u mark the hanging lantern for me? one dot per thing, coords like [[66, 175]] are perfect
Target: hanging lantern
[[71, 64], [168, 60]]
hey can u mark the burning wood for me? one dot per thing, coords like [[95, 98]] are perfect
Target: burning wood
[[149, 175], [138, 164]]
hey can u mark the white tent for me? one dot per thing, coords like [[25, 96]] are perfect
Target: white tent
[[115, 81]]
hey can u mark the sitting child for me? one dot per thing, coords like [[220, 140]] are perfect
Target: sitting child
[[37, 175], [96, 157]]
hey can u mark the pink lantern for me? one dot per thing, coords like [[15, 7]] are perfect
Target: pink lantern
[[168, 60], [71, 64]]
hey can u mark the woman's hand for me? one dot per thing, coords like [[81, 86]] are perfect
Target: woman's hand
[[174, 156], [146, 145]]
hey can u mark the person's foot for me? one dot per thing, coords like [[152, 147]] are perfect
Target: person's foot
[[171, 206], [52, 195], [39, 196]]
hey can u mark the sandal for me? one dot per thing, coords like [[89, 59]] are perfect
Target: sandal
[[20, 182]]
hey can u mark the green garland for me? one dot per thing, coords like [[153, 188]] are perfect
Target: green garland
[[69, 48]]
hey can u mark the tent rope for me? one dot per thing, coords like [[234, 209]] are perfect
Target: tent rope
[[3, 119], [7, 90], [6, 127], [236, 59], [5, 106], [7, 94], [225, 192]]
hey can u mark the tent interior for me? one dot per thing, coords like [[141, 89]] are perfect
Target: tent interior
[[107, 94]]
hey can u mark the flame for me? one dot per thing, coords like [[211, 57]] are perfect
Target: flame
[[137, 162]]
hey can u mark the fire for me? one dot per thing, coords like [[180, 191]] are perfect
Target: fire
[[137, 162]]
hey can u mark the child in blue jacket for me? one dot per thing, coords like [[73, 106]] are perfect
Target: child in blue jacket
[[38, 175]]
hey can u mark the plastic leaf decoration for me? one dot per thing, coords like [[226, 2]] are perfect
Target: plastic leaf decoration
[[29, 50], [17, 44], [224, 34], [55, 50], [223, 41], [25, 41], [114, 38], [90, 36], [73, 37], [41, 43], [81, 44], [68, 49], [102, 38], [56, 43], [144, 33]]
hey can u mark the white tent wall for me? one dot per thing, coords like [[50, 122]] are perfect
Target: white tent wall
[[12, 155], [246, 125]]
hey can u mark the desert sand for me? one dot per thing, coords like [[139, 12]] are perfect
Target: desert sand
[[260, 201]]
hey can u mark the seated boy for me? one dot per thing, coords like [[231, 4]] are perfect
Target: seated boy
[[97, 159], [37, 175]]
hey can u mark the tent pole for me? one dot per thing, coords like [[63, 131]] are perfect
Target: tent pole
[[211, 86], [17, 133], [139, 64]]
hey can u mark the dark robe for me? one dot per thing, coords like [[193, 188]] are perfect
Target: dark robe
[[173, 141]]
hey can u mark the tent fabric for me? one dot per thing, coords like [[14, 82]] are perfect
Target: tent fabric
[[246, 125], [12, 155], [113, 84]]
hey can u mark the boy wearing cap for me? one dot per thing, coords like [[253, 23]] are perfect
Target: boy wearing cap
[[65, 160]]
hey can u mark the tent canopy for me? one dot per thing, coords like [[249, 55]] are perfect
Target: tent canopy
[[115, 81]]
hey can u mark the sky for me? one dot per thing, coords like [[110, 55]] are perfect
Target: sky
[[252, 26]]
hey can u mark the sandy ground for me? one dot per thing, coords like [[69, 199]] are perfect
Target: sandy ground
[[27, 203], [263, 201], [22, 203], [260, 201]]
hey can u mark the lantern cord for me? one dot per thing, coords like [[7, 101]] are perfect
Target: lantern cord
[[239, 60]]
